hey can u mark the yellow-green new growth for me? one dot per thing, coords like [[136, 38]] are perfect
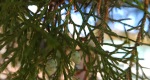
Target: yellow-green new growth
[[51, 66], [76, 57]]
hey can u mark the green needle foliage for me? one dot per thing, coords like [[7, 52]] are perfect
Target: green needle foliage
[[41, 42]]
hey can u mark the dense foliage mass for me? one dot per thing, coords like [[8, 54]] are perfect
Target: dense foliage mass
[[43, 47]]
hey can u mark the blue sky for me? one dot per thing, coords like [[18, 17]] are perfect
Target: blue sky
[[132, 13]]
